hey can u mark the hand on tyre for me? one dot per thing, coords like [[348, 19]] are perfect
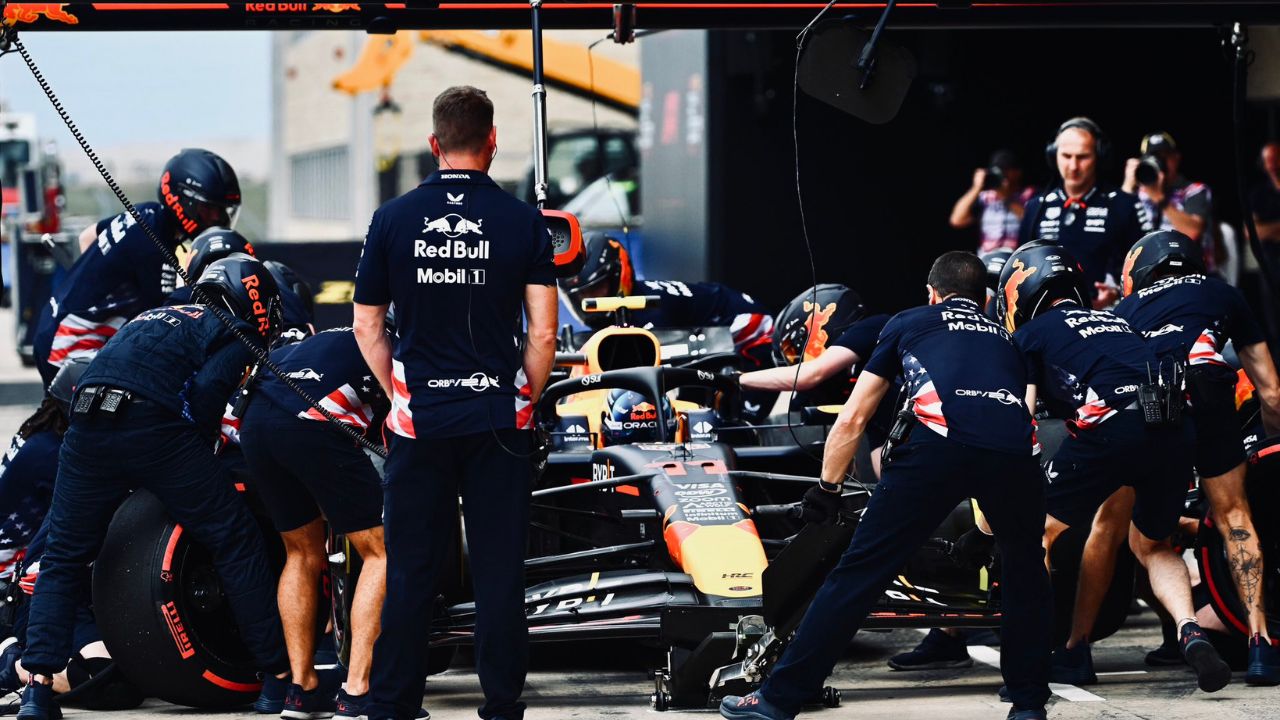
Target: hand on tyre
[[820, 506]]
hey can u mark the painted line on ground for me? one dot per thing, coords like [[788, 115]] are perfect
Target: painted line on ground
[[990, 656]]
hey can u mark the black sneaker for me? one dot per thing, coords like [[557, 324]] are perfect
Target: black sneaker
[[271, 698], [1167, 655], [938, 650], [9, 658], [302, 704], [1073, 666], [38, 703], [1020, 714], [1212, 674], [1264, 663], [751, 707]]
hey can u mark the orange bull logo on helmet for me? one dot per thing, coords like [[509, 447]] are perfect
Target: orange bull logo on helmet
[[259, 310], [1020, 273], [15, 13], [816, 334], [335, 7], [1127, 273]]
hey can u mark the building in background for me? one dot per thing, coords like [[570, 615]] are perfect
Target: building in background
[[351, 116]]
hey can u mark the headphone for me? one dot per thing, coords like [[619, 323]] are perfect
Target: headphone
[[1101, 145]]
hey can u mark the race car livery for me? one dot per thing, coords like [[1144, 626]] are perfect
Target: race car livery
[[455, 254], [978, 404], [331, 369], [1086, 364], [1190, 318], [121, 274]]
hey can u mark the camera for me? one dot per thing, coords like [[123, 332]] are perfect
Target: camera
[[1149, 169], [994, 178]]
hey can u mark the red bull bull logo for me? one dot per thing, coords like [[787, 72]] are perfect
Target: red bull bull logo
[[1020, 273], [335, 7], [259, 309], [15, 13], [816, 334], [644, 411], [1127, 274]]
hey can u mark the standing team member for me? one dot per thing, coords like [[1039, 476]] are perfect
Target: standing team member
[[1117, 473], [1096, 226], [120, 271], [972, 439], [303, 467], [460, 259], [1188, 317], [145, 414]]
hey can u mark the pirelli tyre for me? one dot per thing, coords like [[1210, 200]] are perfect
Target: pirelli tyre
[[162, 613], [1066, 553], [1217, 587]]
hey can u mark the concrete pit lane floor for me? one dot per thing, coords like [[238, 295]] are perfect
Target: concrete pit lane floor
[[608, 680]]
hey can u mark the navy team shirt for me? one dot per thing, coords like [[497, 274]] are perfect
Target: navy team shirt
[[1086, 364], [1190, 318], [27, 471], [1097, 229], [455, 255], [965, 378], [706, 304], [331, 369], [121, 274], [860, 337]]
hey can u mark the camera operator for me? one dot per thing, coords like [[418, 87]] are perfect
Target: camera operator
[[972, 437], [1095, 225], [1174, 202], [996, 201]]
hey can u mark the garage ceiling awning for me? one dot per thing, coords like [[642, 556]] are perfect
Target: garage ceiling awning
[[577, 14]]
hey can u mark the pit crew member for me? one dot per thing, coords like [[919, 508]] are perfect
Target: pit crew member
[[120, 271], [213, 244], [972, 438], [303, 467], [1188, 318], [1097, 226], [461, 260], [1115, 470], [145, 414]]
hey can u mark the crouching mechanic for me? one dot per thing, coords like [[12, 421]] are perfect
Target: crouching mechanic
[[1088, 367], [302, 467], [120, 271], [146, 414], [1187, 318], [972, 438]]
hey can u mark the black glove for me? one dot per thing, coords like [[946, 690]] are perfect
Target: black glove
[[820, 506], [972, 550], [541, 449]]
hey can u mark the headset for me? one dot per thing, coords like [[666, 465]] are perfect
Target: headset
[[1101, 145]]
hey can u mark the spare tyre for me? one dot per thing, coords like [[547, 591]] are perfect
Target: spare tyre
[[162, 612]]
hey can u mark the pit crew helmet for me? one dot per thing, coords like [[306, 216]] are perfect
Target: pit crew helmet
[[994, 261], [630, 417], [607, 271], [243, 286], [63, 386], [1038, 275], [288, 279], [199, 190], [829, 308], [1162, 253], [215, 243]]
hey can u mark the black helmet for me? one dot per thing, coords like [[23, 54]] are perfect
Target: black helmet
[[630, 417], [995, 260], [1036, 275], [200, 191], [214, 244], [607, 264], [289, 280], [1159, 254], [63, 386], [241, 284], [837, 307]]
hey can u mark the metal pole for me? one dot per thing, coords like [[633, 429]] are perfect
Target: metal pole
[[539, 110]]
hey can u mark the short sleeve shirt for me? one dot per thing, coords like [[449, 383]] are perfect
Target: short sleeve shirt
[[997, 223], [1190, 318], [964, 377], [455, 255], [1086, 364], [331, 369]]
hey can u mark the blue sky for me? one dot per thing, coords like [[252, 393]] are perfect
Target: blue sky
[[146, 87]]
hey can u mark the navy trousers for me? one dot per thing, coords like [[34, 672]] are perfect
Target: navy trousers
[[927, 478], [421, 488], [103, 458]]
